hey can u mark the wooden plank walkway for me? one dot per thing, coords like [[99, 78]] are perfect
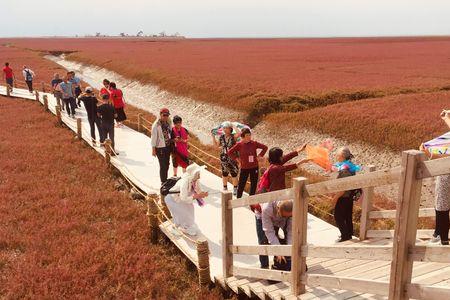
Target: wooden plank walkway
[[137, 165]]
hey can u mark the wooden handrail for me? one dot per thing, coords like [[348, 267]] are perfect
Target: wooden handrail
[[372, 179], [284, 250], [432, 168], [286, 194], [430, 253], [367, 252], [346, 283], [391, 214], [261, 273], [421, 234], [421, 291]]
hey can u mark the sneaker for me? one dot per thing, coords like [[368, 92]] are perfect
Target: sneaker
[[435, 239], [444, 243], [341, 239], [235, 191], [94, 142]]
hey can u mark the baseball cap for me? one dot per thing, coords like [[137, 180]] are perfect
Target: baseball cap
[[88, 89], [164, 111]]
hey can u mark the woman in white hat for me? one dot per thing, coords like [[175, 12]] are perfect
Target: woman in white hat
[[181, 197]]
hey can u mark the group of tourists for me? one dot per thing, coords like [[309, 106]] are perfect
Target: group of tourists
[[242, 159], [102, 110], [10, 78]]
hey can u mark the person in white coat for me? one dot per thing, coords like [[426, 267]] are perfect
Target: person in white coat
[[181, 198]]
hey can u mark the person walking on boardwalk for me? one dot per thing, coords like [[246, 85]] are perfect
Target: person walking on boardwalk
[[58, 95], [105, 89], [28, 75], [8, 73], [180, 200], [180, 137], [245, 152], [107, 114], [76, 82], [343, 210], [116, 96], [229, 166], [66, 89], [90, 103], [162, 143], [274, 179], [442, 193]]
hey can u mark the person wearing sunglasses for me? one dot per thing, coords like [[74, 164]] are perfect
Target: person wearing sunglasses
[[162, 143]]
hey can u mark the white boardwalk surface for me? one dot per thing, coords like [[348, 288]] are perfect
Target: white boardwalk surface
[[137, 164]]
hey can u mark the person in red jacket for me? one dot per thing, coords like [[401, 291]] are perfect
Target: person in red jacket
[[248, 160], [118, 102]]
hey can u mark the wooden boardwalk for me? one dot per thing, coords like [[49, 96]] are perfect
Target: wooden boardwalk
[[396, 264]]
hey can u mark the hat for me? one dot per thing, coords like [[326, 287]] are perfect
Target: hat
[[193, 171], [164, 111], [88, 90], [227, 124]]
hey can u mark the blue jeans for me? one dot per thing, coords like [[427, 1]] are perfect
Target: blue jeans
[[262, 240]]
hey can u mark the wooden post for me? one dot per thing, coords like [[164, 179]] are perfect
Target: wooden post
[[139, 122], [227, 235], [37, 96], [43, 86], [405, 224], [299, 229], [204, 276], [108, 151], [152, 213], [79, 131], [165, 208], [58, 114], [366, 207], [45, 102]]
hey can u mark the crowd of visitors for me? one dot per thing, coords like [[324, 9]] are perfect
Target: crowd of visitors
[[241, 157]]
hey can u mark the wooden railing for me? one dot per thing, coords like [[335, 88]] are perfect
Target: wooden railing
[[402, 254]]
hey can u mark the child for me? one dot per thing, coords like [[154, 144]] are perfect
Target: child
[[180, 136]]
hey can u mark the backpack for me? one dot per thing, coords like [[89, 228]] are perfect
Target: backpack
[[166, 186], [352, 194], [28, 77]]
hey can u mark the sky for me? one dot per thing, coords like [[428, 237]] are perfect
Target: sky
[[226, 18]]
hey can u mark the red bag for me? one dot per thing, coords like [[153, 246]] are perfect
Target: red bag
[[263, 187]]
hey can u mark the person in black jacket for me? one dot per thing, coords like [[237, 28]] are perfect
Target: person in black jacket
[[107, 114], [90, 103]]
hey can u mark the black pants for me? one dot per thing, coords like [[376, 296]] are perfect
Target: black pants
[[262, 240], [107, 131], [281, 266], [442, 224], [77, 94], [243, 177], [343, 213], [163, 155], [70, 105], [30, 85], [93, 122]]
